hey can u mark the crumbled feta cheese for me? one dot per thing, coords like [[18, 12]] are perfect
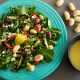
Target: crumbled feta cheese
[[9, 25], [12, 25], [3, 52], [15, 55], [44, 29], [6, 26], [33, 17], [31, 58], [13, 59], [9, 33], [29, 52], [28, 63], [4, 33], [3, 55]]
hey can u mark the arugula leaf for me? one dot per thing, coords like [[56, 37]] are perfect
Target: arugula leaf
[[31, 9], [48, 54], [45, 42], [37, 43], [12, 42], [56, 34], [46, 21], [30, 41], [13, 10], [51, 42], [4, 16], [19, 63], [16, 26], [20, 10]]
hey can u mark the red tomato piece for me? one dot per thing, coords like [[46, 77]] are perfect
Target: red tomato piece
[[8, 46], [38, 28]]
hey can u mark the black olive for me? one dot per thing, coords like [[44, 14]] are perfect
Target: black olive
[[8, 20], [49, 35], [25, 54], [37, 20]]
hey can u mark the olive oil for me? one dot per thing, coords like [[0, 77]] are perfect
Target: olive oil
[[74, 55]]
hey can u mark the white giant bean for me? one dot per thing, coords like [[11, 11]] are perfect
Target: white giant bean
[[38, 57], [33, 31], [71, 6], [77, 18], [16, 48], [77, 29], [66, 15], [26, 28], [71, 21], [59, 2], [76, 13]]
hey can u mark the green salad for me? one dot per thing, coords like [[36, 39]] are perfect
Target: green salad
[[26, 39]]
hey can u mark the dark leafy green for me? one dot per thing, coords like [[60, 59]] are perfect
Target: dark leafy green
[[32, 32], [31, 9]]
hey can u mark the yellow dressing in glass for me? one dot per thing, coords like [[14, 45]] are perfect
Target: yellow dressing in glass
[[74, 55]]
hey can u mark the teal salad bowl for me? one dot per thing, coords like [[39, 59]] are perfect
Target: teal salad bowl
[[42, 70]]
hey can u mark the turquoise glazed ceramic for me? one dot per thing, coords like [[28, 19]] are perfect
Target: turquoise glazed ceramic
[[41, 70]]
